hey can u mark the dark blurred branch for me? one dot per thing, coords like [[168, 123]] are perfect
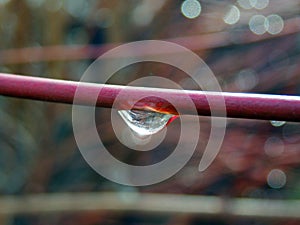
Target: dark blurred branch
[[197, 42], [153, 204]]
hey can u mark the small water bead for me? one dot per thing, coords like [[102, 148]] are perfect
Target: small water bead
[[277, 123], [145, 122]]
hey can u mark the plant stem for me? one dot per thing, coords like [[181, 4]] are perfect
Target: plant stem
[[238, 105]]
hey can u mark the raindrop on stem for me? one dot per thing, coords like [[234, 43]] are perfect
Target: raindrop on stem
[[277, 123], [145, 122]]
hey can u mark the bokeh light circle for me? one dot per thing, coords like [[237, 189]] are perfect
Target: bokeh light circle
[[191, 9], [232, 15], [274, 23], [257, 24], [276, 178]]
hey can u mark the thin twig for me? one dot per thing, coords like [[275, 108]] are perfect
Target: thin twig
[[238, 105]]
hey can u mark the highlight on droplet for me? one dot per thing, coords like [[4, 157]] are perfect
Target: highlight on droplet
[[145, 122], [277, 123]]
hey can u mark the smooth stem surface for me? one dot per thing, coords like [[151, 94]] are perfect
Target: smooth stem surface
[[238, 105]]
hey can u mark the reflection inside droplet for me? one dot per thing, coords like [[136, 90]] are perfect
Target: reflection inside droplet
[[144, 12], [144, 122], [135, 138], [277, 123]]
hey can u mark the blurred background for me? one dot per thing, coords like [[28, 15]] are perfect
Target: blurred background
[[250, 45]]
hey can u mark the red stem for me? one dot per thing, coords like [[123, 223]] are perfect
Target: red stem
[[238, 105]]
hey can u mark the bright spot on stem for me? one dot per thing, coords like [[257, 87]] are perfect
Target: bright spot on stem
[[145, 123], [276, 179], [257, 24], [191, 8], [274, 23], [232, 16]]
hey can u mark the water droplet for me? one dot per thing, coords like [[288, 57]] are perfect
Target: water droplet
[[277, 123], [144, 122]]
